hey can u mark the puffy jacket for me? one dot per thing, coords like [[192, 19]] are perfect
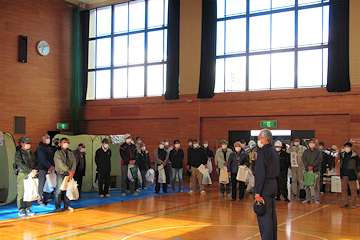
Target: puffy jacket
[[26, 161], [103, 160], [61, 164], [219, 157], [45, 156], [353, 165]]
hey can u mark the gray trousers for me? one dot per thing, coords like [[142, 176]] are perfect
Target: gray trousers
[[316, 189], [124, 180], [297, 177]]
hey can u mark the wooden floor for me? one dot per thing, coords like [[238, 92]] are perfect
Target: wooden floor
[[181, 216]]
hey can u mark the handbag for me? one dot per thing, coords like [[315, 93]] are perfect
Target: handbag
[[224, 176], [31, 192], [242, 174], [309, 178]]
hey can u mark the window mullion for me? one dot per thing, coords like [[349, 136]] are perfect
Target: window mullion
[[296, 52], [146, 47], [112, 52], [247, 43]]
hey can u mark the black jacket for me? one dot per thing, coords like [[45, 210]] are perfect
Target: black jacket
[[177, 158], [144, 160], [127, 153], [267, 166], [209, 153], [196, 157], [102, 160], [45, 156], [78, 154], [284, 160], [26, 161]]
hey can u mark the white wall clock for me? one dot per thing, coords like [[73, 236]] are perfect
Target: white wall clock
[[43, 48]]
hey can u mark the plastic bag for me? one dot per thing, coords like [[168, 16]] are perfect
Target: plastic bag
[[129, 174], [31, 192], [72, 191], [48, 186], [242, 174], [150, 175], [224, 176], [52, 178], [64, 183], [161, 176], [206, 178], [209, 165], [139, 176], [309, 178]]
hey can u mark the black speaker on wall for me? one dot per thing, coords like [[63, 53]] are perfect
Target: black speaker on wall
[[23, 49]]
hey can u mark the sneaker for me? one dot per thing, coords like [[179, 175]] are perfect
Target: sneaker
[[229, 195], [191, 192], [138, 190], [41, 205], [353, 206], [70, 209], [221, 195], [306, 201], [202, 192], [317, 202], [22, 212], [101, 195], [135, 194], [107, 195], [180, 191], [58, 210], [344, 205], [29, 212], [144, 188], [123, 194]]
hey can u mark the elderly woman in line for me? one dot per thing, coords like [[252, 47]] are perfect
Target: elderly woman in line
[[237, 158]]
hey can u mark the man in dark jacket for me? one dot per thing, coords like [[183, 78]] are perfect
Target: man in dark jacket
[[349, 170], [196, 157], [45, 156], [56, 145], [144, 164], [80, 165], [129, 155], [284, 166], [27, 165], [266, 170], [103, 163], [177, 160], [237, 158], [312, 158]]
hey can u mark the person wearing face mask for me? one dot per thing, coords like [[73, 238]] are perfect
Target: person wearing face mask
[[144, 164], [168, 166], [284, 166], [297, 171], [56, 145], [176, 157], [252, 155], [209, 153], [103, 167], [129, 155], [196, 157], [79, 154], [65, 165], [349, 171], [324, 166], [190, 143], [45, 156], [312, 158], [236, 159], [138, 142], [266, 171], [27, 165], [221, 159], [161, 157]]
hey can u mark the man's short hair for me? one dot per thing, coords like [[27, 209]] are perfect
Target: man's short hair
[[348, 144], [44, 136], [321, 144], [313, 139], [195, 140], [137, 138], [190, 140], [266, 133], [176, 141], [64, 138], [242, 141]]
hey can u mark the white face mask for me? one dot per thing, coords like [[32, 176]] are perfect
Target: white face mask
[[106, 146], [347, 149], [82, 150], [166, 143], [177, 145], [278, 149], [161, 146], [321, 147], [27, 146], [205, 145], [260, 145], [143, 148], [311, 145], [190, 144], [65, 146], [296, 144], [196, 145], [224, 146], [238, 149], [128, 140], [47, 141], [139, 141]]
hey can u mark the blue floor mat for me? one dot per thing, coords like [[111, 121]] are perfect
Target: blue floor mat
[[87, 200]]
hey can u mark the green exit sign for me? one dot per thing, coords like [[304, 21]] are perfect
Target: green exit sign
[[62, 126], [268, 124]]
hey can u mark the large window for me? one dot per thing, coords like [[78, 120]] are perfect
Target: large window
[[271, 44], [127, 50]]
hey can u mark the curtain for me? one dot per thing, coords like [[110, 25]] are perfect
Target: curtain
[[208, 49], [77, 88], [84, 23], [172, 68], [338, 65]]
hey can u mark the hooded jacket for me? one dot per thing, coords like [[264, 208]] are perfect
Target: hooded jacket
[[353, 165]]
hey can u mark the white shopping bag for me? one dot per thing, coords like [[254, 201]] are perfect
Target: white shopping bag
[[31, 192], [150, 175], [161, 176], [139, 176], [242, 174], [64, 184], [209, 165], [129, 174], [72, 191], [294, 160], [52, 178], [224, 176], [206, 178], [48, 186]]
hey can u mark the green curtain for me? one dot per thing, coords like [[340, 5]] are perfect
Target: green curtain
[[77, 88]]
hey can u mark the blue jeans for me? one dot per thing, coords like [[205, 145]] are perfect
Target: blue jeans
[[179, 173]]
